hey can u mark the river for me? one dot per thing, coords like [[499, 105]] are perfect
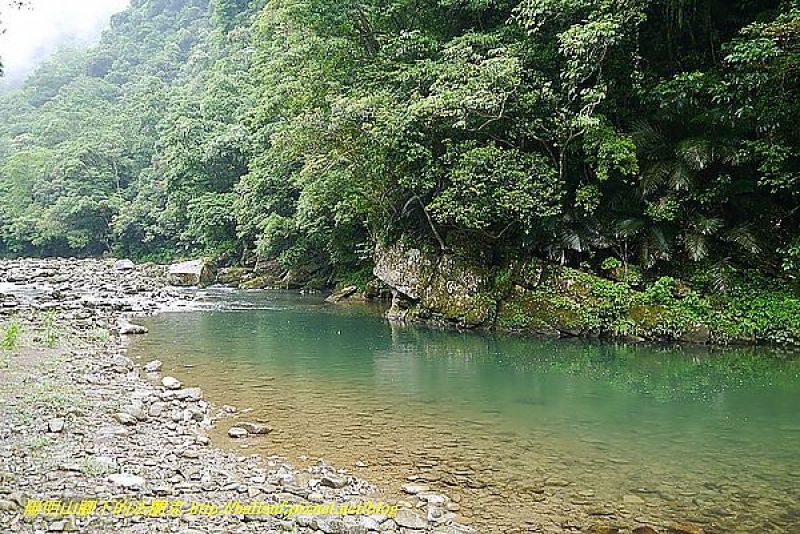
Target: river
[[524, 434]]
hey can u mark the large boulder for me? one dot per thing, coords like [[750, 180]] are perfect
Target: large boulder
[[439, 287], [342, 294], [234, 276], [124, 265], [191, 273]]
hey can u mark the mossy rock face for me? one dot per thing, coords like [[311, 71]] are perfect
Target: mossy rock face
[[406, 269], [303, 277], [260, 282], [647, 317], [696, 333], [234, 276], [445, 287], [525, 310], [460, 292], [537, 297]]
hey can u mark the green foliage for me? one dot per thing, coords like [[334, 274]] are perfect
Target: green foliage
[[661, 134], [11, 336], [492, 188], [51, 333]]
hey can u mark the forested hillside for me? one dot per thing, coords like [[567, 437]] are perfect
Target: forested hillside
[[660, 136]]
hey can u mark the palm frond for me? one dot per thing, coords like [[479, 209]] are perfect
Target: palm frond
[[744, 237], [626, 228], [697, 153], [680, 178], [648, 138], [654, 175], [708, 225], [696, 246]]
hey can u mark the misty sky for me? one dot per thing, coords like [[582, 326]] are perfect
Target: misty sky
[[33, 33]]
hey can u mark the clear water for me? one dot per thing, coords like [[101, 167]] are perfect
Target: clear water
[[526, 434]]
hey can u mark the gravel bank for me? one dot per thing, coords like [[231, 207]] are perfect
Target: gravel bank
[[82, 425]]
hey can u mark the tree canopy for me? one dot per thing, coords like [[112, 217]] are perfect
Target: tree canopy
[[656, 132]]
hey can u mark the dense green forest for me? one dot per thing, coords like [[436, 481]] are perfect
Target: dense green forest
[[658, 135]]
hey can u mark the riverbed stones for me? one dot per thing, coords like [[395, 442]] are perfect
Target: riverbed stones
[[683, 528], [237, 432], [171, 383], [55, 425], [153, 367], [408, 519], [122, 435], [127, 481], [255, 428]]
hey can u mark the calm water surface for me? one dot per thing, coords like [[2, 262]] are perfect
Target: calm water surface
[[526, 434]]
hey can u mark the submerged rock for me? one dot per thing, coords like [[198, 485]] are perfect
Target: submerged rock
[[408, 519], [342, 294], [681, 528], [237, 432], [153, 367], [255, 428]]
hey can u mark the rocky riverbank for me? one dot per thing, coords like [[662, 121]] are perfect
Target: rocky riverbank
[[465, 289], [91, 441]]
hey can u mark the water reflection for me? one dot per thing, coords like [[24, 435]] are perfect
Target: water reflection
[[524, 431]]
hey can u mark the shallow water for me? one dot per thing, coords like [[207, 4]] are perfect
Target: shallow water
[[524, 433]]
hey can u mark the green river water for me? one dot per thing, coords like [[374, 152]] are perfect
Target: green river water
[[525, 434]]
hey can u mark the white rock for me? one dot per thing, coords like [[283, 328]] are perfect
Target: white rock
[[194, 394], [153, 367], [126, 480], [55, 425], [191, 273], [413, 489], [170, 382], [125, 418], [237, 432], [124, 265], [130, 329]]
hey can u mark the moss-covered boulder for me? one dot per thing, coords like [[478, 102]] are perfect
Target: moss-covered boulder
[[436, 287], [234, 276], [535, 296]]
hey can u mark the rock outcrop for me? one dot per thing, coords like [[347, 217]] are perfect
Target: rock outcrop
[[443, 288], [530, 295], [199, 273]]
